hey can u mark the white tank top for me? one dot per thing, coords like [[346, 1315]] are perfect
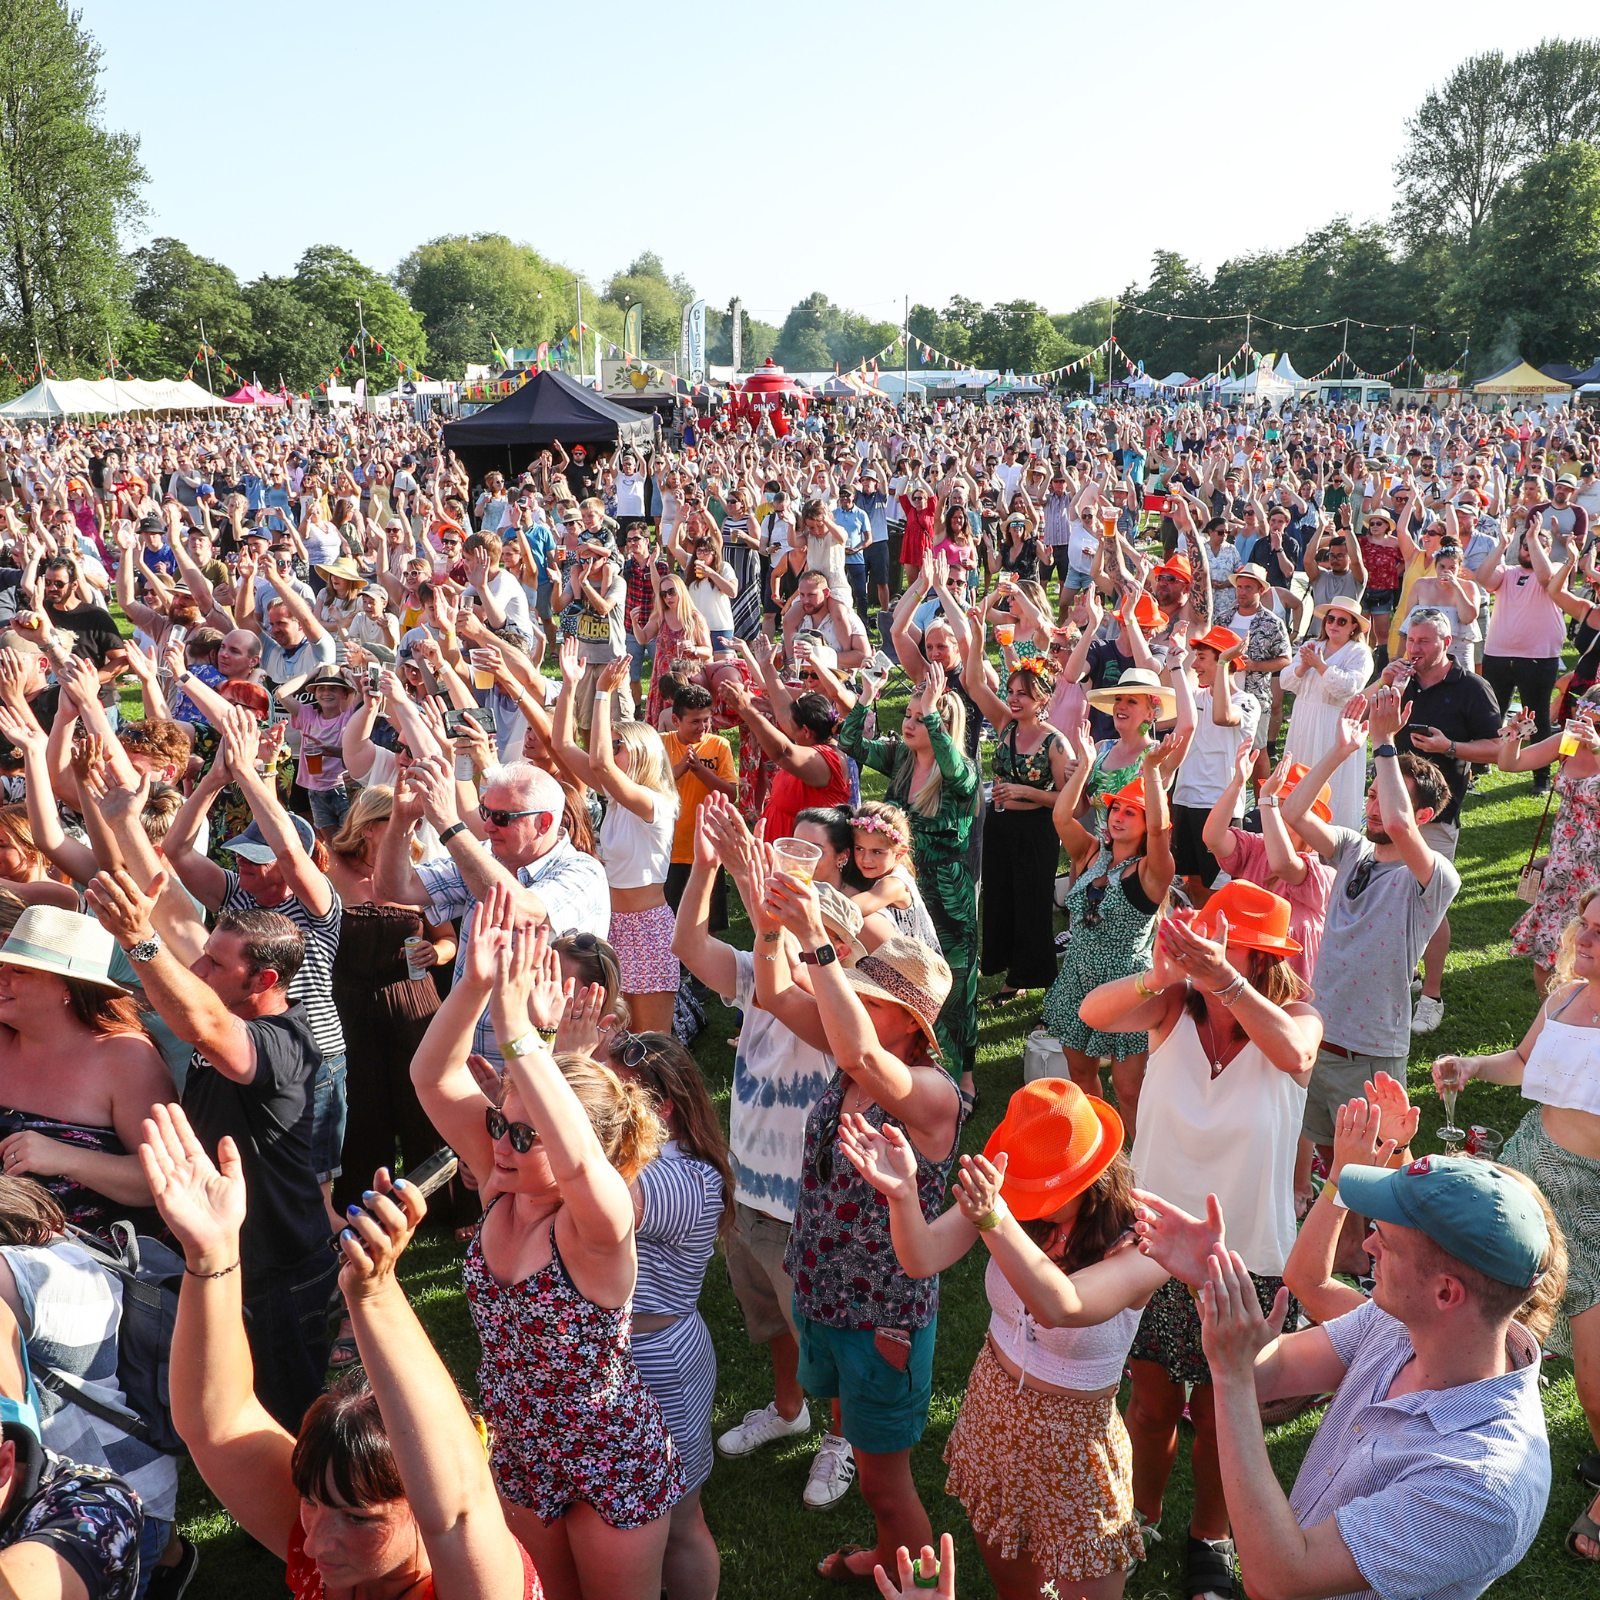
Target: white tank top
[[1564, 1068], [1070, 1358], [1233, 1136]]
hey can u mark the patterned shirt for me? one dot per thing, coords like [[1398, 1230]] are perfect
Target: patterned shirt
[[640, 594], [1437, 1493], [1267, 640], [89, 1519], [1057, 520]]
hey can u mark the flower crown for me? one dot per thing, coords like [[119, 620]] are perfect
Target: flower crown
[[1040, 669], [875, 825]]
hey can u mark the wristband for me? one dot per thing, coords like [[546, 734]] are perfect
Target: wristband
[[993, 1217], [222, 1274], [526, 1043], [450, 832]]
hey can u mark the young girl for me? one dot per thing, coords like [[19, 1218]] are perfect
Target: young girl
[[630, 766], [882, 854], [327, 702], [1039, 1455]]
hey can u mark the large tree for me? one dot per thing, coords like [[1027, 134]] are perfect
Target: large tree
[[1558, 93], [645, 282], [331, 281], [175, 291], [67, 185], [1536, 277]]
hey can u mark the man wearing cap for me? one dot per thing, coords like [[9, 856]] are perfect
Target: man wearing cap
[[873, 500], [1430, 1472], [1266, 641]]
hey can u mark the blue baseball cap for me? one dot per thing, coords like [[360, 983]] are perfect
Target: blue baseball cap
[[1471, 1209], [253, 847]]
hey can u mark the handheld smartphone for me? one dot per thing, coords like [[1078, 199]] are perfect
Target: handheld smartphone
[[434, 1173], [374, 675], [455, 721]]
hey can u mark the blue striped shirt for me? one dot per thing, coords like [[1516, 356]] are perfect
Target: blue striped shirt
[[1437, 1493]]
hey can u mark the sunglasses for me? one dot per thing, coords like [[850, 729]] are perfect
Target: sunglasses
[[523, 1136], [1359, 879], [504, 819]]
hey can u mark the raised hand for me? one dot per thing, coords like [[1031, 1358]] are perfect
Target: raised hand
[[978, 1185], [1357, 1137], [578, 1028], [1173, 1239], [1233, 1332], [881, 1155], [376, 1233], [1352, 732], [201, 1201], [1399, 1118], [1275, 780], [569, 661]]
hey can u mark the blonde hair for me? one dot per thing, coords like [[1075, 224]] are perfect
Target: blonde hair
[[1567, 950], [622, 1113], [161, 808], [649, 764], [888, 820], [952, 710], [694, 626]]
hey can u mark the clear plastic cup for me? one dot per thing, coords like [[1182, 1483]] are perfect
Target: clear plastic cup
[[1569, 738], [1004, 633], [482, 670], [313, 755], [797, 858]]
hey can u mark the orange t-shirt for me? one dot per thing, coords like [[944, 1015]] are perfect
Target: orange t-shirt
[[691, 790]]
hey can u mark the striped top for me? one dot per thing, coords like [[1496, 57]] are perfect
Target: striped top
[[71, 1310], [677, 1233], [1438, 1493], [313, 983]]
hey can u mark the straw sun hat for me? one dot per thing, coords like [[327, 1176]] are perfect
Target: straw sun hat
[[66, 943], [905, 973]]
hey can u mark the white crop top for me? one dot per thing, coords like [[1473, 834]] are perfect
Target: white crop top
[[1563, 1068], [1070, 1358], [637, 853]]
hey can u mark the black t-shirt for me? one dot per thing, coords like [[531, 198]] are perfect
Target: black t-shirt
[[269, 1119], [1461, 706], [95, 630], [1105, 666]]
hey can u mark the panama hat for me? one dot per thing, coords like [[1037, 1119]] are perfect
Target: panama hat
[[906, 973], [67, 943], [344, 568], [1257, 918], [1057, 1140], [1254, 571], [1136, 680], [843, 918]]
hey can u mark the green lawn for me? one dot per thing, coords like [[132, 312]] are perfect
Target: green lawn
[[770, 1543]]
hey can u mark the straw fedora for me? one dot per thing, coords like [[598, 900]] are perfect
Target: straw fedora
[[67, 943], [843, 918], [1057, 1141], [1254, 571], [1258, 919], [906, 973], [1136, 680], [344, 568], [323, 678], [1349, 605], [1322, 806]]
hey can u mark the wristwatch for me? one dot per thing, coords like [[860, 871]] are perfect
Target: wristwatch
[[145, 950], [1269, 802], [823, 956], [1385, 749]]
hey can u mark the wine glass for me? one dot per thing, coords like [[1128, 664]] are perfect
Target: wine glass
[[1452, 1080]]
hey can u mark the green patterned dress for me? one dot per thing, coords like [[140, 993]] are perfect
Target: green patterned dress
[[939, 851]]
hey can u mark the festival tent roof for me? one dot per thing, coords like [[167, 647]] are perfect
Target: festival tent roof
[[168, 394], [1519, 378], [1263, 383], [549, 406], [1588, 375], [1174, 380], [252, 394], [71, 397], [1284, 368], [1562, 371]]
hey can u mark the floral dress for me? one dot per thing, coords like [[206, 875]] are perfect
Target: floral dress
[[1573, 868], [571, 1419]]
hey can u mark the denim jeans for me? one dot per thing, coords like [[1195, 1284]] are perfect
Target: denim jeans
[[152, 1541], [286, 1322]]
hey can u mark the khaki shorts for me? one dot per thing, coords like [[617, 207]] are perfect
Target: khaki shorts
[[1336, 1078], [765, 1292], [583, 698], [1441, 838]]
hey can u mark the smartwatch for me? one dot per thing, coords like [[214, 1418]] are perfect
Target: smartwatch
[[1385, 749], [823, 956]]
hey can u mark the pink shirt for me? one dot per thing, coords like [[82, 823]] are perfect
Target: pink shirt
[[1525, 621], [1308, 900]]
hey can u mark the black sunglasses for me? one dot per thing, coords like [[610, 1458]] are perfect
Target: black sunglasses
[[523, 1136], [1359, 879], [504, 819]]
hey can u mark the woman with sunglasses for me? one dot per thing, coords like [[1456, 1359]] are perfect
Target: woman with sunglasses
[[1112, 905], [384, 1490], [631, 769], [682, 1203], [586, 1469], [1322, 677], [679, 633]]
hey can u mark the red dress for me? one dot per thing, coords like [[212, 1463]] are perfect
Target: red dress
[[305, 1581], [918, 538], [788, 796]]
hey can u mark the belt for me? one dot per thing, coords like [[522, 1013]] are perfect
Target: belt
[[1339, 1050]]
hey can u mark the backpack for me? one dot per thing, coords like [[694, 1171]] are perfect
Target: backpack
[[150, 1274]]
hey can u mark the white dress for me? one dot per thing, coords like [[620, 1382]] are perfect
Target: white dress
[[1319, 697]]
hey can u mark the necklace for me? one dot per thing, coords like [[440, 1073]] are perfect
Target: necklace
[[1214, 1053]]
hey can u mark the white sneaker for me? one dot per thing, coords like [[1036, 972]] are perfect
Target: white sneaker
[[1428, 1015], [832, 1472], [762, 1427], [1416, 984]]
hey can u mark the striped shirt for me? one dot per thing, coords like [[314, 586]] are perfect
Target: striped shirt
[[71, 1311], [1438, 1493], [677, 1233], [313, 983], [576, 898], [1057, 520]]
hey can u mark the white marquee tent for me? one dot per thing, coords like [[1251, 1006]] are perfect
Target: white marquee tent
[[107, 397]]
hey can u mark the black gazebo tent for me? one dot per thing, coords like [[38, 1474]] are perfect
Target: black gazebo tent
[[549, 406]]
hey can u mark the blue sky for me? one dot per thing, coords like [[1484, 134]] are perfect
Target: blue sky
[[869, 149]]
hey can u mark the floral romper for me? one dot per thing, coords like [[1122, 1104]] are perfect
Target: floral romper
[[570, 1417]]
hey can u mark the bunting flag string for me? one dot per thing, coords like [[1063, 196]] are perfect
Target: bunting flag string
[[1290, 327]]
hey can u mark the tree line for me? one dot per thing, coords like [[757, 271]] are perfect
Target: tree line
[[1493, 246]]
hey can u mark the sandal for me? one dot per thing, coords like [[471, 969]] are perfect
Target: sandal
[[1588, 1470], [1001, 997], [836, 1568], [1149, 1533], [1584, 1528], [1208, 1569]]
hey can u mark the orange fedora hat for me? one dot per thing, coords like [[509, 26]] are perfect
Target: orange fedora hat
[[1323, 804], [1057, 1141], [1258, 919]]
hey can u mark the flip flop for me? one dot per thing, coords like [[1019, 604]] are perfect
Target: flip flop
[[1584, 1528], [836, 1568]]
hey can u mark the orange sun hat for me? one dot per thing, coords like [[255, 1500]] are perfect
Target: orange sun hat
[[1258, 919], [1057, 1141], [1322, 806]]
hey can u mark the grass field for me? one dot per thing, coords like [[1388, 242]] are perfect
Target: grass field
[[770, 1544]]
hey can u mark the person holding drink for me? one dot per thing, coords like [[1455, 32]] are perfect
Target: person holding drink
[[327, 702], [1557, 1145]]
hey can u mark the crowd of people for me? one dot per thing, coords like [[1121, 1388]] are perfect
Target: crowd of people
[[378, 838]]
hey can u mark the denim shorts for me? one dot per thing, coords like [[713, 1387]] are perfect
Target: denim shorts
[[638, 653], [328, 807], [328, 1107], [881, 1410]]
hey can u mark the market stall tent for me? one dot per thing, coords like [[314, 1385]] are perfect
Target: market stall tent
[[71, 397], [252, 394], [1520, 378]]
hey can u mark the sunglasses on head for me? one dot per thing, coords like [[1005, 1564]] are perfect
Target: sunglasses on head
[[504, 819], [522, 1135]]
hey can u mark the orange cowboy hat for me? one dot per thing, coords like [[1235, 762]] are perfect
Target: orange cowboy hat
[[1322, 806], [1057, 1141], [1258, 919]]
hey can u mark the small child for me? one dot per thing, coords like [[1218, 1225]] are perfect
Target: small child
[[882, 855], [327, 702]]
